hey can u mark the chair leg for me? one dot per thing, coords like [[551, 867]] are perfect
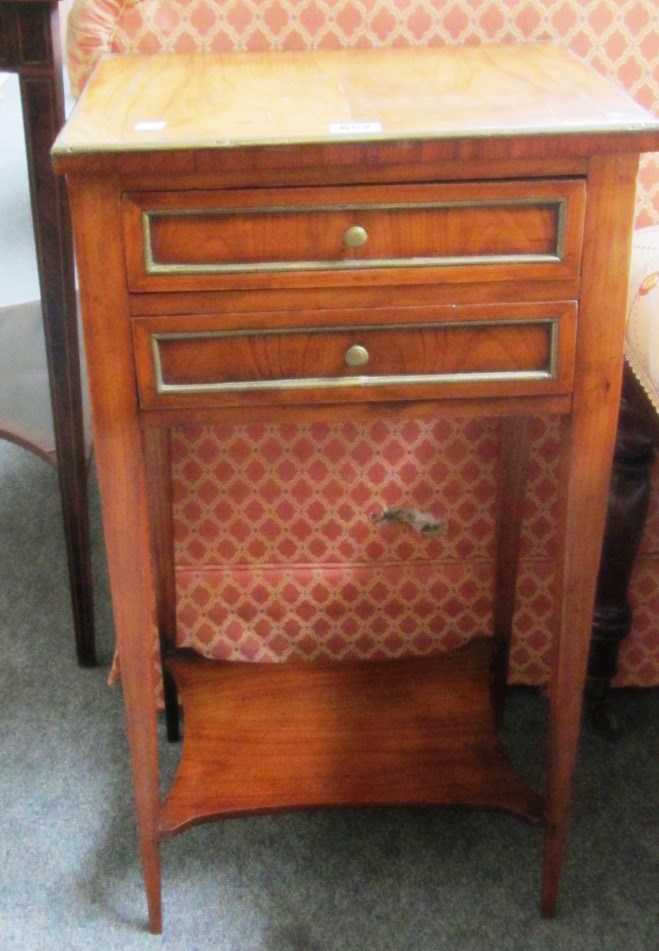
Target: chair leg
[[628, 506]]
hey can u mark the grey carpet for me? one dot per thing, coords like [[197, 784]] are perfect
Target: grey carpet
[[389, 880]]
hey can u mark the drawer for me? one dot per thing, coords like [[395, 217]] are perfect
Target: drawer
[[420, 353], [386, 234]]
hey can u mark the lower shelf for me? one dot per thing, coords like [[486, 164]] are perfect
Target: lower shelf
[[269, 737]]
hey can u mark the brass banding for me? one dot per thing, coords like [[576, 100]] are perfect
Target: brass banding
[[548, 372], [154, 267]]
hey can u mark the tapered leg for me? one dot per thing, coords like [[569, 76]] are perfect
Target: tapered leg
[[43, 114], [585, 476], [122, 469], [125, 522], [157, 453], [513, 470], [587, 450]]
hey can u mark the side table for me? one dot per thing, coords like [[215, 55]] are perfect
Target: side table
[[30, 46], [351, 234]]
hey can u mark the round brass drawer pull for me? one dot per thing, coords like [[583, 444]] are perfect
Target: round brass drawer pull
[[356, 356], [355, 237]]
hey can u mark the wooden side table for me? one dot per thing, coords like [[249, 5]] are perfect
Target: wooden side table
[[30, 46], [352, 234]]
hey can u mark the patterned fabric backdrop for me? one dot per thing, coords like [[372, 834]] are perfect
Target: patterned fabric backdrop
[[280, 546], [282, 549]]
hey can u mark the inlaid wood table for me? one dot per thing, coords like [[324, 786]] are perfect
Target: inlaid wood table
[[313, 235], [30, 46]]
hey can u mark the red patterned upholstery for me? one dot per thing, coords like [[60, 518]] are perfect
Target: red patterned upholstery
[[301, 565], [298, 510]]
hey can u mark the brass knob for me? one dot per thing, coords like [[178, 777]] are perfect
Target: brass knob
[[356, 356], [355, 237]]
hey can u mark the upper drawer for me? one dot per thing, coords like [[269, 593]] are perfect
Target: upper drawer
[[236, 238]]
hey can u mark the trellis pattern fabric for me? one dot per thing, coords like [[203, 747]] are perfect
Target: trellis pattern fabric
[[282, 547], [305, 564]]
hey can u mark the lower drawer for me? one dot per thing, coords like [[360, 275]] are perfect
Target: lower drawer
[[500, 350]]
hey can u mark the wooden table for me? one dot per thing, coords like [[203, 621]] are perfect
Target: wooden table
[[30, 46], [315, 235]]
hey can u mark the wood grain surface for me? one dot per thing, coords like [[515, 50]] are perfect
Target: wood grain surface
[[264, 737], [195, 99]]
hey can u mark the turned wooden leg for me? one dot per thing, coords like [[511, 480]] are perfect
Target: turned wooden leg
[[628, 506]]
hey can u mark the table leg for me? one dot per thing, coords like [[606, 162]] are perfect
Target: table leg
[[157, 456], [122, 475], [587, 449], [513, 469], [40, 76]]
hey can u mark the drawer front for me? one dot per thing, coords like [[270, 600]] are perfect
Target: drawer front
[[421, 353], [392, 234]]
